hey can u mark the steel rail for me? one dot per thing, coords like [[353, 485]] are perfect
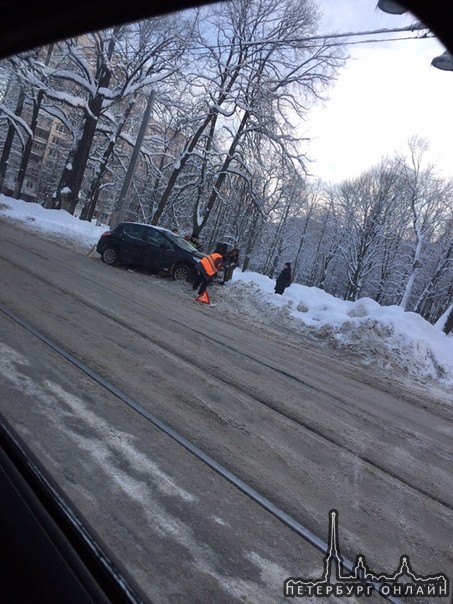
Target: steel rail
[[232, 478], [218, 376]]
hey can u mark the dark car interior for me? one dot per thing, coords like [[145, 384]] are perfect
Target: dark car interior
[[25, 25], [47, 554]]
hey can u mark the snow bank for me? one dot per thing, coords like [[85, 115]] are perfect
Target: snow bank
[[385, 337]]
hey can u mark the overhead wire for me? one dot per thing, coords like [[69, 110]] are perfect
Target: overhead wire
[[416, 27]]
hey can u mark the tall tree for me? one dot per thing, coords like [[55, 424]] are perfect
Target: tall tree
[[440, 274], [366, 204], [254, 78], [96, 86], [426, 196], [16, 127], [30, 69], [101, 72]]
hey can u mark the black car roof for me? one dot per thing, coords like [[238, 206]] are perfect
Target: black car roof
[[150, 226]]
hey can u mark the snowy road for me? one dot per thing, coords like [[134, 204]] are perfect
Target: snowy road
[[306, 430]]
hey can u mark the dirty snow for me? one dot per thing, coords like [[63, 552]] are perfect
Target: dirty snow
[[384, 337]]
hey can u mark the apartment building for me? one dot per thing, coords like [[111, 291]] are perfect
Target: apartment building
[[50, 146]]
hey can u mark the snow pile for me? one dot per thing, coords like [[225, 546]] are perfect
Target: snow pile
[[384, 337], [58, 225]]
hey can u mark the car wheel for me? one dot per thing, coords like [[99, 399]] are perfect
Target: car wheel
[[182, 273], [110, 256]]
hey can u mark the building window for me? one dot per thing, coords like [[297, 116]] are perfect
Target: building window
[[41, 133]]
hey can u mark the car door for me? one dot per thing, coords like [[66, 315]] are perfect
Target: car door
[[159, 250], [133, 243]]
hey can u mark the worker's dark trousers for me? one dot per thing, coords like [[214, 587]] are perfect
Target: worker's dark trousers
[[202, 281]]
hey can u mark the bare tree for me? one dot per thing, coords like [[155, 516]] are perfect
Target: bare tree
[[426, 196], [257, 73], [29, 69], [366, 205], [16, 124], [439, 276], [101, 72]]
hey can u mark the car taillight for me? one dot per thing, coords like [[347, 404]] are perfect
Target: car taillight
[[106, 234]]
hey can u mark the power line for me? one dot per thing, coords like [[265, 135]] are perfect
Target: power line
[[425, 37], [324, 37], [415, 27]]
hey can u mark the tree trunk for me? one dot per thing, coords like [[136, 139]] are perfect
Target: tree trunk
[[73, 173], [185, 156], [449, 324], [439, 271], [29, 144], [445, 322], [9, 140], [251, 240], [217, 187], [212, 115], [302, 240], [93, 195]]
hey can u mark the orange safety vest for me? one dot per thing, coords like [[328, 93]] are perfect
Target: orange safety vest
[[211, 264]]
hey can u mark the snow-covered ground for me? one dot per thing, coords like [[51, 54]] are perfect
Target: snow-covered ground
[[383, 337]]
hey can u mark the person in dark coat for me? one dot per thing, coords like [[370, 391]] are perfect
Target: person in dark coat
[[193, 240], [231, 263], [449, 323], [284, 279]]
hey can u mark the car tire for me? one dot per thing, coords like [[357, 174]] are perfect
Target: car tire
[[182, 273], [110, 256]]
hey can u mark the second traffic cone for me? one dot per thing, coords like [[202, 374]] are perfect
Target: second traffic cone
[[204, 298]]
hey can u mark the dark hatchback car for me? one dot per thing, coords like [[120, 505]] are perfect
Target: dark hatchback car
[[154, 248]]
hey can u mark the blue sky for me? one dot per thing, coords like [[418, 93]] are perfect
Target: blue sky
[[386, 93]]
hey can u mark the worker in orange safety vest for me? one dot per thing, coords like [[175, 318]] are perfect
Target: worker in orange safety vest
[[208, 268]]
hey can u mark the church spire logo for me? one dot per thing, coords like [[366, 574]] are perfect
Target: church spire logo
[[359, 580]]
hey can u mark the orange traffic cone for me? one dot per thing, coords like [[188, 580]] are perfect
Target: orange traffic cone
[[204, 298]]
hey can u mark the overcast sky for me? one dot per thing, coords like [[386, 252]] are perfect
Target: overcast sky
[[386, 93]]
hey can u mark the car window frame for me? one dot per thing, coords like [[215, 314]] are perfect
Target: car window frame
[[130, 225], [165, 241], [182, 243]]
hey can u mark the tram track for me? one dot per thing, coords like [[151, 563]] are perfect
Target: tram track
[[301, 530], [161, 337], [236, 387]]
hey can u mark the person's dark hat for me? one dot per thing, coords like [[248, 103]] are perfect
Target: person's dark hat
[[288, 264]]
